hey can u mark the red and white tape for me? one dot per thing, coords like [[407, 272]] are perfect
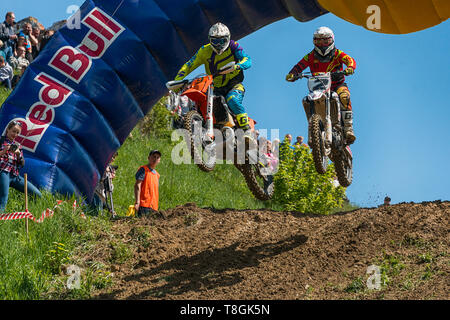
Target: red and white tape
[[48, 213]]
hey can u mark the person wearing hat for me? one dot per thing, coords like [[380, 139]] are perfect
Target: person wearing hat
[[146, 188]]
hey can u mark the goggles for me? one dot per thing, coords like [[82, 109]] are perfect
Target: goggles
[[323, 41], [218, 41]]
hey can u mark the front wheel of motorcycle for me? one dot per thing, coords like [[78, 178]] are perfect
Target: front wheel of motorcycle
[[317, 133], [204, 155], [261, 185], [344, 168]]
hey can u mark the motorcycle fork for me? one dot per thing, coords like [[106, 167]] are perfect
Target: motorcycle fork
[[209, 114], [328, 131]]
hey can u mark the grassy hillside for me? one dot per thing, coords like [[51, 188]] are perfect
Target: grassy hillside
[[222, 188]]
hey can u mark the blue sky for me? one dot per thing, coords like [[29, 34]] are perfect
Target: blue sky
[[398, 95]]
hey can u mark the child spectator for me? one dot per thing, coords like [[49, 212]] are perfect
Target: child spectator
[[6, 73], [11, 160], [146, 188]]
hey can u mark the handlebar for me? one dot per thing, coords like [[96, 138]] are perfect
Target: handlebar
[[309, 75], [174, 85]]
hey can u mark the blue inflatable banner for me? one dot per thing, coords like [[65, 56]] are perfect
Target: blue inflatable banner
[[86, 91]]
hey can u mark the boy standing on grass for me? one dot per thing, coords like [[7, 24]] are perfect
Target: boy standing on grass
[[146, 188]]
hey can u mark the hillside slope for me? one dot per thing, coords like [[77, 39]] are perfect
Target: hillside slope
[[197, 253]]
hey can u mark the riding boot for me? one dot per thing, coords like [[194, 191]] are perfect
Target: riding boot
[[243, 122], [348, 126]]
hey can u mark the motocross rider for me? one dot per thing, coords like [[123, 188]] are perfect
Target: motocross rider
[[327, 58], [220, 51]]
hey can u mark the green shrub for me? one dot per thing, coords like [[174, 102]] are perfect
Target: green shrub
[[158, 122], [299, 187]]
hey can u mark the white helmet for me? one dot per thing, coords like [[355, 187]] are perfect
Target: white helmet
[[323, 40], [219, 37]]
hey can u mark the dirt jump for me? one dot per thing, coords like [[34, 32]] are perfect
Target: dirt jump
[[198, 253]]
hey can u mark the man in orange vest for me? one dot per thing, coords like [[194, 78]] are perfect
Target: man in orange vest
[[146, 188]]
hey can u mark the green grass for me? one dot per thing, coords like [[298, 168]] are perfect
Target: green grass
[[28, 266], [224, 187], [4, 93]]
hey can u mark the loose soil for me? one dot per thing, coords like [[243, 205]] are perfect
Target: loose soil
[[198, 253]]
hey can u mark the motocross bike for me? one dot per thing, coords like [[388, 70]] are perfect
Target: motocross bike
[[209, 112], [326, 126]]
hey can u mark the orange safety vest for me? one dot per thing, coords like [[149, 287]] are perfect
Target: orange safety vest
[[149, 189]]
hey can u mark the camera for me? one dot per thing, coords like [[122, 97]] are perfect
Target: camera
[[13, 147]]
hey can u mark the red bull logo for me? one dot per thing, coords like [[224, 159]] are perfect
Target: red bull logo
[[74, 63]]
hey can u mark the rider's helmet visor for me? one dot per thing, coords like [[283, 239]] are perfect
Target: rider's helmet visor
[[218, 41], [323, 41]]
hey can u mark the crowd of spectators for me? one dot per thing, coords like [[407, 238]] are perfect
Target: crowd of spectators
[[19, 46]]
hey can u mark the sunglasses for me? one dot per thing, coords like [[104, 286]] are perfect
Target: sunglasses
[[16, 123]]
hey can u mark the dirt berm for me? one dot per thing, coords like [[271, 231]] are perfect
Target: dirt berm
[[197, 253]]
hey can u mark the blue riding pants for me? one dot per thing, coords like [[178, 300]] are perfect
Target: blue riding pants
[[8, 179]]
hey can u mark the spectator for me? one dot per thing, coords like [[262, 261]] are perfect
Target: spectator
[[19, 61], [270, 157], [387, 201], [8, 34], [2, 52], [287, 141], [22, 42], [100, 196], [30, 40], [36, 48], [11, 160], [146, 188], [299, 142], [46, 38], [276, 147], [6, 73], [288, 136]]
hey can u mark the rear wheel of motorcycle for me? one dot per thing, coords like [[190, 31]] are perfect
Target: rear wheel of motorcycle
[[192, 119], [344, 170], [318, 149], [262, 187]]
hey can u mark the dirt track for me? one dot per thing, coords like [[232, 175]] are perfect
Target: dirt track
[[197, 253]]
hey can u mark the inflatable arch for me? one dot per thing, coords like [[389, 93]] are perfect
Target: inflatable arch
[[88, 88]]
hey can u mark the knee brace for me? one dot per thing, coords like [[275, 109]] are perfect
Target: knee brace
[[344, 97]]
